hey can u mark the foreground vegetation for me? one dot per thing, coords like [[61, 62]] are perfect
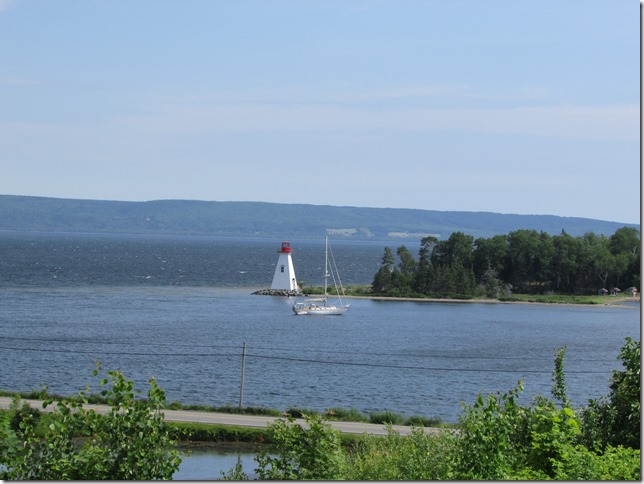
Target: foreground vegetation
[[131, 442], [335, 414], [497, 438]]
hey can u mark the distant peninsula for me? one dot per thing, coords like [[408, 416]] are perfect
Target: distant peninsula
[[272, 220]]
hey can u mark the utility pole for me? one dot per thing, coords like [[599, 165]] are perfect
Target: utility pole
[[241, 386]]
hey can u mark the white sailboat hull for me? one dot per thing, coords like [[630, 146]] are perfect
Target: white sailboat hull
[[300, 310], [310, 307]]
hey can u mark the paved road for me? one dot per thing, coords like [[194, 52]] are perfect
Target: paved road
[[240, 420]]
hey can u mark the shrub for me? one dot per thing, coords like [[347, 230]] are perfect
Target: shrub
[[418, 456], [302, 453], [615, 419], [130, 442], [492, 432]]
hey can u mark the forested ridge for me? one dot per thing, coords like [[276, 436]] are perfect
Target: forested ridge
[[523, 261], [279, 220]]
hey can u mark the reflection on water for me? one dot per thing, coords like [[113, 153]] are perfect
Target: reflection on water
[[209, 461]]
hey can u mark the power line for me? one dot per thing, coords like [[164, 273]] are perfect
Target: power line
[[85, 341], [403, 367], [303, 360], [112, 353], [343, 352]]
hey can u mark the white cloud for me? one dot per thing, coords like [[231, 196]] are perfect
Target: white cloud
[[17, 81], [577, 122], [5, 4], [458, 93], [620, 122]]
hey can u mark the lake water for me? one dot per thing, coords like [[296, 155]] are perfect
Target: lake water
[[180, 309], [208, 462]]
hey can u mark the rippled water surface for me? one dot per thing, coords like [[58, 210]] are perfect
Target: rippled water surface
[[180, 309]]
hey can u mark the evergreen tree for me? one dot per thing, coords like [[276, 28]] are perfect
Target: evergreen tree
[[407, 269], [422, 282], [382, 281]]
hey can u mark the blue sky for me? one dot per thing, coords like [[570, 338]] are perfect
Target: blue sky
[[501, 106]]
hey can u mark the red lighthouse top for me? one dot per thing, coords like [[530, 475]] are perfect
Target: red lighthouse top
[[286, 248]]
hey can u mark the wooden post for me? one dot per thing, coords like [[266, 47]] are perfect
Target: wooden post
[[241, 386]]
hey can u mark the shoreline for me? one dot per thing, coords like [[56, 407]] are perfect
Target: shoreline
[[614, 302], [606, 301]]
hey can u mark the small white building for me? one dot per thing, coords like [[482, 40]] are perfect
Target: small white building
[[284, 278]]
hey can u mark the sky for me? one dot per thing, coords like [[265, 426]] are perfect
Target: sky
[[468, 105]]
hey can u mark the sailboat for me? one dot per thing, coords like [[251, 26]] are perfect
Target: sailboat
[[321, 306]]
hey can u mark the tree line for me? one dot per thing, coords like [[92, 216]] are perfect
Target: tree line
[[523, 261]]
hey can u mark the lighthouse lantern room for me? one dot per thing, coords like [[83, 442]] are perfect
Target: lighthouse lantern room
[[284, 278]]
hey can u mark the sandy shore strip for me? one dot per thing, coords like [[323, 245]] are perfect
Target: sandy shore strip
[[612, 302]]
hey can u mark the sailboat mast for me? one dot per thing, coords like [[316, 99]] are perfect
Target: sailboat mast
[[326, 266]]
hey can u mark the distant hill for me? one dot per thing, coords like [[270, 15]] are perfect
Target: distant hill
[[259, 219]]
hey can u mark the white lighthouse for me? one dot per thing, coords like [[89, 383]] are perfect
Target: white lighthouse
[[284, 278]]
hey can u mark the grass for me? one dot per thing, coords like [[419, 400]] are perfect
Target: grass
[[565, 299], [225, 409], [386, 417], [345, 415], [336, 413], [365, 291], [356, 290], [199, 432]]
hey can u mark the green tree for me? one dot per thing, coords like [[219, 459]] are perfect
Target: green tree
[[564, 262], [625, 397], [559, 387], [423, 279], [131, 442], [444, 281], [456, 250], [407, 267], [314, 452], [625, 242], [601, 259], [584, 276], [522, 247], [489, 254], [615, 420], [491, 286], [524, 260], [619, 268], [528, 260], [382, 281]]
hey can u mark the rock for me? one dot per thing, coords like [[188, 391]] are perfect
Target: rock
[[277, 292]]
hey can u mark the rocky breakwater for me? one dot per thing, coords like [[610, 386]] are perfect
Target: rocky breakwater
[[277, 292]]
